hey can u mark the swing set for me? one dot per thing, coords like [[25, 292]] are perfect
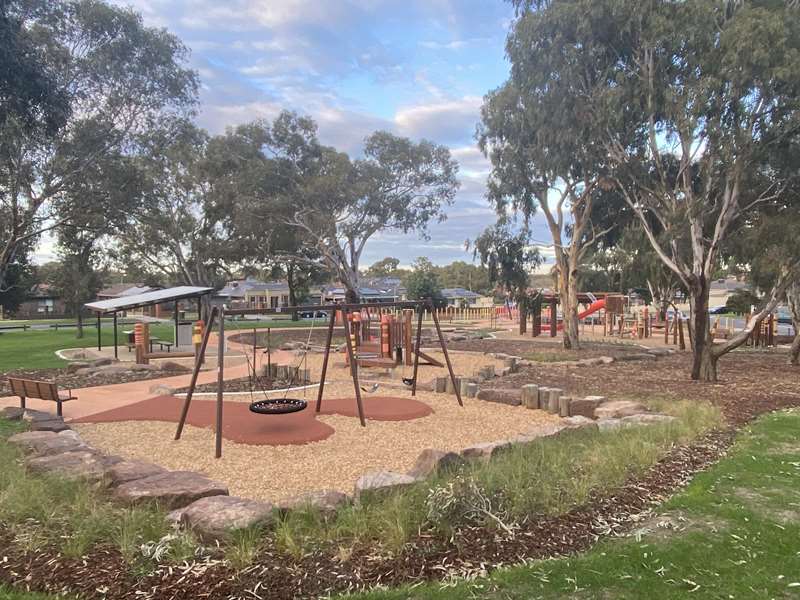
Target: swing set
[[284, 405]]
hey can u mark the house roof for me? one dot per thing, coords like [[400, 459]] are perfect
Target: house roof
[[238, 289], [147, 299], [43, 290], [119, 290], [459, 293]]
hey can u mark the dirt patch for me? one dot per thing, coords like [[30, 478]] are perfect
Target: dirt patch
[[73, 381], [761, 504], [673, 523], [276, 338]]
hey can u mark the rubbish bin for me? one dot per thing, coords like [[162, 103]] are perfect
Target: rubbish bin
[[183, 336]]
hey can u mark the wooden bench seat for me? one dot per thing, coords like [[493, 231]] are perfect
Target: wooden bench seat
[[43, 390]]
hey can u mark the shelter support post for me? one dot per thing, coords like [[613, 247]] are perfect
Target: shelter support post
[[116, 343], [99, 333]]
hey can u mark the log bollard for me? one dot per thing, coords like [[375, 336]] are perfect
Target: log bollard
[[472, 390], [441, 385], [530, 396], [563, 406], [463, 386], [553, 400]]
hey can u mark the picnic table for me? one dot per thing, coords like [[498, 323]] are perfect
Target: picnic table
[[131, 343]]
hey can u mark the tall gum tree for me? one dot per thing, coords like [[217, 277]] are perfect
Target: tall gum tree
[[698, 98], [541, 137], [117, 77]]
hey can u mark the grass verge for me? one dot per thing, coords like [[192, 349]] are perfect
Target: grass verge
[[732, 533], [547, 477]]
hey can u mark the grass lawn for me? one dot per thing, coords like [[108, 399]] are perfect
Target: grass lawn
[[733, 533]]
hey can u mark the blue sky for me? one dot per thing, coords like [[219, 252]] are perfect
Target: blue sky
[[418, 68]]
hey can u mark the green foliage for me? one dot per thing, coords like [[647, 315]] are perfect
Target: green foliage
[[509, 258], [741, 302], [423, 283], [386, 267]]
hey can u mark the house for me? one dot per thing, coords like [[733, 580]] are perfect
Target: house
[[42, 301], [252, 293], [337, 293], [121, 290], [722, 289], [461, 297]]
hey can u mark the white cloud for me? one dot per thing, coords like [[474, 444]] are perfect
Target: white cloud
[[451, 121]]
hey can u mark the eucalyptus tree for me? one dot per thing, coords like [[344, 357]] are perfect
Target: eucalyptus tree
[[117, 77], [398, 185], [693, 99], [698, 98], [540, 134]]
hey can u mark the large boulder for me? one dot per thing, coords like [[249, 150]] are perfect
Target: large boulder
[[539, 432], [485, 450], [430, 461], [55, 424], [214, 517], [173, 489], [325, 501], [381, 482], [101, 362], [131, 470], [647, 419], [502, 395], [77, 365], [585, 407], [579, 422], [45, 443], [32, 415], [174, 367], [138, 367], [616, 409], [160, 389], [84, 464], [12, 413]]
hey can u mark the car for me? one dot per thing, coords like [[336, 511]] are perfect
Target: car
[[310, 314], [718, 310]]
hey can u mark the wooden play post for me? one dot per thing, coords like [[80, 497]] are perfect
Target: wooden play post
[[353, 366], [386, 350], [536, 320], [196, 372], [328, 341], [141, 336], [408, 318]]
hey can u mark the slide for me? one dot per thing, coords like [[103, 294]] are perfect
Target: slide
[[593, 308]]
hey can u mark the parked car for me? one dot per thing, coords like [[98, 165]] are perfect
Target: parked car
[[718, 310], [310, 314]]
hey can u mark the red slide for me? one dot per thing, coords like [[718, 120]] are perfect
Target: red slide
[[593, 308]]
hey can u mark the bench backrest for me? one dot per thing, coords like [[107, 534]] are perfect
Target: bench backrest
[[29, 388]]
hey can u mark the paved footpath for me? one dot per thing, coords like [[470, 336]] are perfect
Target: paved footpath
[[97, 399]]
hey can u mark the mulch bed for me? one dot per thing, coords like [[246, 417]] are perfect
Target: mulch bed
[[242, 384], [545, 346], [73, 381], [752, 383]]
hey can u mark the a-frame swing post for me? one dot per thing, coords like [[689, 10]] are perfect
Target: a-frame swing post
[[220, 382], [353, 366], [446, 355], [197, 363], [328, 342], [421, 309]]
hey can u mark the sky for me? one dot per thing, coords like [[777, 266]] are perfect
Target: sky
[[418, 68]]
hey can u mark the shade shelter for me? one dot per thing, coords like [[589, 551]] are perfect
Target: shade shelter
[[114, 306]]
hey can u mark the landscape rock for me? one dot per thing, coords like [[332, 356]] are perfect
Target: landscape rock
[[84, 464], [46, 443], [485, 450], [630, 356], [608, 424], [647, 419], [430, 461], [138, 367], [56, 424], [12, 413], [585, 407], [616, 409], [131, 470], [108, 370], [32, 415], [175, 367], [77, 365], [326, 501], [539, 432], [173, 489], [502, 395], [606, 360], [160, 389], [579, 422], [101, 362], [381, 481], [214, 517]]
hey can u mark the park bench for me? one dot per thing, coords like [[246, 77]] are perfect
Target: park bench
[[43, 390]]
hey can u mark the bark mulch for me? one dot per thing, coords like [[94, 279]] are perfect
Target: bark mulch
[[74, 381], [751, 384], [544, 346]]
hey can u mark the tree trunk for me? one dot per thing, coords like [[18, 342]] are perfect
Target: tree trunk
[[79, 324], [793, 300], [290, 284], [568, 295], [704, 365]]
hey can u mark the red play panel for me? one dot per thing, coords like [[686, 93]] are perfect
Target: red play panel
[[241, 425]]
